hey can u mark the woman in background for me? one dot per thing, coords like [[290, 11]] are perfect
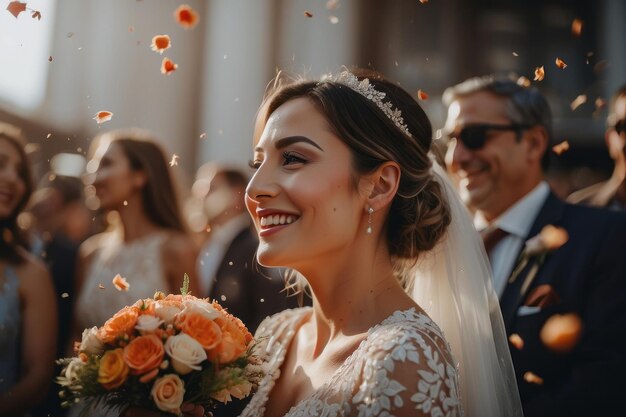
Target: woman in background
[[148, 247], [28, 316]]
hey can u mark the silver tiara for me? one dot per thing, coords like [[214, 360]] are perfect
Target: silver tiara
[[368, 91]]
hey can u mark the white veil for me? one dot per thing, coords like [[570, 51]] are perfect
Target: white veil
[[453, 285]]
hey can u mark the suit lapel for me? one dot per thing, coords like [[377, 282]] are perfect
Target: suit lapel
[[551, 212]]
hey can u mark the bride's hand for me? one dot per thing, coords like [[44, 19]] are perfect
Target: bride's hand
[[189, 410]]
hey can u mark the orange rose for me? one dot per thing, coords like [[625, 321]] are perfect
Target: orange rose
[[234, 341], [123, 322], [145, 306], [201, 328], [144, 354], [113, 370]]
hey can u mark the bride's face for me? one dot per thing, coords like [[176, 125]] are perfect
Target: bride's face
[[303, 197]]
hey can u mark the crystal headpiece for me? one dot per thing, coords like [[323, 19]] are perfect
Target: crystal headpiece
[[368, 91]]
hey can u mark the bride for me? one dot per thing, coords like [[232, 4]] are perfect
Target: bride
[[404, 320]]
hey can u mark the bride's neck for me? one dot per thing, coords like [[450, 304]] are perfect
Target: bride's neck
[[350, 298]]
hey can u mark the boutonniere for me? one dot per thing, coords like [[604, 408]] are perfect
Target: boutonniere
[[536, 250]]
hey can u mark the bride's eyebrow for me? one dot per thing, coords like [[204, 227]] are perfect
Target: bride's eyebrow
[[290, 140]]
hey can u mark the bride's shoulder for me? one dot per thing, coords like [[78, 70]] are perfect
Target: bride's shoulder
[[409, 332], [281, 325]]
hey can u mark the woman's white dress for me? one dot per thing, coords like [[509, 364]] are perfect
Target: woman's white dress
[[403, 364]]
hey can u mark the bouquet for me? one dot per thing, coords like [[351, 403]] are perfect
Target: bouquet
[[159, 353]]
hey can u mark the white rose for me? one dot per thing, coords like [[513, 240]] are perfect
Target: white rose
[[241, 391], [186, 353], [167, 393], [166, 311], [90, 343], [71, 372], [222, 396], [147, 324], [200, 307]]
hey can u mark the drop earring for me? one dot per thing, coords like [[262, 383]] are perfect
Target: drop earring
[[369, 221]]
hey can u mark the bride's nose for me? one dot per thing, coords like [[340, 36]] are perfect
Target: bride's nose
[[262, 185]]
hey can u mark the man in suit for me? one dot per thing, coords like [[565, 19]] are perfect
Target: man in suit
[[498, 150], [611, 193]]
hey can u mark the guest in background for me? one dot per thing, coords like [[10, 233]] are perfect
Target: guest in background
[[611, 193], [499, 134], [60, 222], [148, 244], [28, 317], [227, 267]]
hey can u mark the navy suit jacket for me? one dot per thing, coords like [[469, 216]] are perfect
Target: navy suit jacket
[[587, 276]]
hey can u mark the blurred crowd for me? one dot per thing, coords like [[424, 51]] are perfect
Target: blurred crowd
[[66, 236]]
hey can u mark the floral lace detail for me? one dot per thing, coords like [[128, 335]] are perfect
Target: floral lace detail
[[403, 367]]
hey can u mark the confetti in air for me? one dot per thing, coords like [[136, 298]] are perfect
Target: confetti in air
[[160, 43], [577, 27], [539, 73], [16, 7], [174, 160], [578, 101], [560, 63], [517, 341], [532, 378], [168, 66], [120, 283], [422, 95], [186, 16], [561, 332], [308, 13], [561, 147], [103, 116]]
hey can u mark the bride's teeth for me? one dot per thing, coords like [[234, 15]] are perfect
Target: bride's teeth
[[263, 221], [275, 219], [282, 219], [289, 219]]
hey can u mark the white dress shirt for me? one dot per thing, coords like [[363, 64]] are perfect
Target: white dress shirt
[[213, 251], [517, 222]]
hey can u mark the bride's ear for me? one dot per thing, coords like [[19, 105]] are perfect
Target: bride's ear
[[383, 185]]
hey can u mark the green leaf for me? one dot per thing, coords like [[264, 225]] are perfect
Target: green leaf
[[185, 289]]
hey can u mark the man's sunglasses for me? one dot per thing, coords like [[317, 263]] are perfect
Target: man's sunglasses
[[474, 136], [620, 126]]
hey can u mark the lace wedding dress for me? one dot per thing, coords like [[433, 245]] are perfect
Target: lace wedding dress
[[403, 364]]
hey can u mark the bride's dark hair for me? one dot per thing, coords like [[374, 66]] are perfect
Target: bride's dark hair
[[419, 212]]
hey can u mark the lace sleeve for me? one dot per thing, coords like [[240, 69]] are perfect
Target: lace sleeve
[[409, 372]]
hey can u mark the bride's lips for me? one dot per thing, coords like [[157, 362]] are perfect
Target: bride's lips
[[271, 221]]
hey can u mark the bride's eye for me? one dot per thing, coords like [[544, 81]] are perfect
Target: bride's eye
[[254, 163], [291, 158]]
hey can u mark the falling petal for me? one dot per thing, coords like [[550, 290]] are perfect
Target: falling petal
[[100, 286], [515, 54], [523, 81], [577, 27], [174, 160], [65, 295], [160, 43], [168, 66], [561, 332], [560, 63], [578, 101], [202, 135], [120, 283], [517, 341], [308, 13], [539, 73], [36, 15], [50, 58], [423, 1], [422, 95], [16, 7], [332, 4], [333, 19], [561, 147], [186, 16], [532, 378], [48, 135], [103, 116]]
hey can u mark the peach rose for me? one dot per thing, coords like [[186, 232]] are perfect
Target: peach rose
[[204, 330], [167, 393], [113, 370], [122, 323], [145, 306], [200, 307], [232, 344], [144, 354]]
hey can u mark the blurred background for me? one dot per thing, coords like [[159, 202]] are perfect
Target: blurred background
[[86, 56]]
